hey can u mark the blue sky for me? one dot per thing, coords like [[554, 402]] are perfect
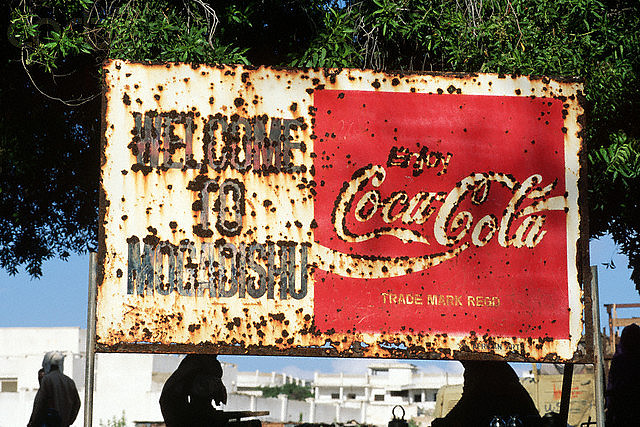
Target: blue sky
[[59, 298]]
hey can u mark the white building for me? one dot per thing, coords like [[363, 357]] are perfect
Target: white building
[[131, 383], [384, 386], [250, 383]]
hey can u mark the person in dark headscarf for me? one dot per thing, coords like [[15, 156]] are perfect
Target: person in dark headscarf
[[186, 397], [57, 402], [623, 389], [490, 389]]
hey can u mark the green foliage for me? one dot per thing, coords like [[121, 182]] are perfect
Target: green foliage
[[137, 30], [293, 391], [621, 160], [595, 39], [333, 47], [144, 31], [115, 421], [42, 36]]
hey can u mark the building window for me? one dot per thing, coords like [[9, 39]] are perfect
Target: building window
[[351, 395], [417, 398], [8, 385], [378, 397], [399, 393], [335, 395]]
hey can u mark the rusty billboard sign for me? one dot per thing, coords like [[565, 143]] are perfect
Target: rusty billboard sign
[[340, 212]]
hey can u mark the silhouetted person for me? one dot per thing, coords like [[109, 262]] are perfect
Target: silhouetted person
[[57, 402], [490, 389], [186, 396], [623, 389]]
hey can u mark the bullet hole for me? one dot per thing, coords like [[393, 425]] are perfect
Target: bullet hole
[[238, 102]]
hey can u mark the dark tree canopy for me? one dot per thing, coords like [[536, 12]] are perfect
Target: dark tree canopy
[[51, 56]]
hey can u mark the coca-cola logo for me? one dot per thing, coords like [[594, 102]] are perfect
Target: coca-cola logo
[[520, 223]]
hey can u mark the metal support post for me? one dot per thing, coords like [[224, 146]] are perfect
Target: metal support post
[[91, 341], [565, 399], [597, 347]]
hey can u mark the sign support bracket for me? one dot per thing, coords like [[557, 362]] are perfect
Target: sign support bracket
[[597, 345], [90, 352], [565, 398]]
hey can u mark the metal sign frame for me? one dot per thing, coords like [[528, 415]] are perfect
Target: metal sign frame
[[204, 248]]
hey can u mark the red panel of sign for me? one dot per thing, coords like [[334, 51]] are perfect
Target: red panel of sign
[[481, 178]]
